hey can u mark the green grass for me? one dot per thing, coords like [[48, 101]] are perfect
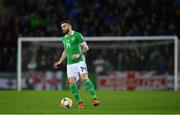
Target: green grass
[[139, 102]]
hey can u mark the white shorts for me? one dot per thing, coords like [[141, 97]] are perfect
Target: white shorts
[[73, 70]]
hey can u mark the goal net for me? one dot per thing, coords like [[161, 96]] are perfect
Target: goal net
[[114, 63]]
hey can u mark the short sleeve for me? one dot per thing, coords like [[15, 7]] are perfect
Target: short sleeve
[[80, 38]]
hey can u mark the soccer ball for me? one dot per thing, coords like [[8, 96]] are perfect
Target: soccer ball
[[66, 103]]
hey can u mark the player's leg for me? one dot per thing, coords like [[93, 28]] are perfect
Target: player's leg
[[72, 78], [74, 88], [88, 83], [90, 87]]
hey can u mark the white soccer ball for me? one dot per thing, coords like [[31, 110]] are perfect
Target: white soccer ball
[[66, 103]]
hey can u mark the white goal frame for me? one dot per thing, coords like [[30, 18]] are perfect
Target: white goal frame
[[57, 39]]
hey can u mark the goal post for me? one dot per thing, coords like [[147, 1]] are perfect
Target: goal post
[[21, 40]]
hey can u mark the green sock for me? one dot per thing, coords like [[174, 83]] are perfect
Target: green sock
[[75, 92], [90, 87]]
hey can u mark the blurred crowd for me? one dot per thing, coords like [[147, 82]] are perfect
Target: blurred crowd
[[141, 58], [91, 17], [157, 56]]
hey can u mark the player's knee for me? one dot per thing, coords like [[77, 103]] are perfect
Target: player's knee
[[84, 76], [72, 80]]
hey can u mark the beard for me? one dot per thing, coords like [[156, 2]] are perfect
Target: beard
[[66, 31]]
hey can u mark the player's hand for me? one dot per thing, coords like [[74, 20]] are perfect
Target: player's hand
[[56, 64], [75, 56]]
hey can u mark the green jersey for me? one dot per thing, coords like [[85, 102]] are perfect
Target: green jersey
[[72, 45]]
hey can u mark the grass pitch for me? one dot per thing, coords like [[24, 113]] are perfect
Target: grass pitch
[[47, 102]]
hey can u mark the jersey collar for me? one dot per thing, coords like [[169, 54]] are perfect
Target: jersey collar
[[72, 32]]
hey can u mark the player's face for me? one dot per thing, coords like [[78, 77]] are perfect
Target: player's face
[[65, 27]]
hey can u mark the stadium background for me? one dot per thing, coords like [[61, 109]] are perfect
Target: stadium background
[[40, 18]]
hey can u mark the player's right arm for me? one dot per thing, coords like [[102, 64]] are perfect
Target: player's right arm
[[63, 56]]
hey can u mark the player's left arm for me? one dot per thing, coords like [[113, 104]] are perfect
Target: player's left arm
[[85, 48]]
